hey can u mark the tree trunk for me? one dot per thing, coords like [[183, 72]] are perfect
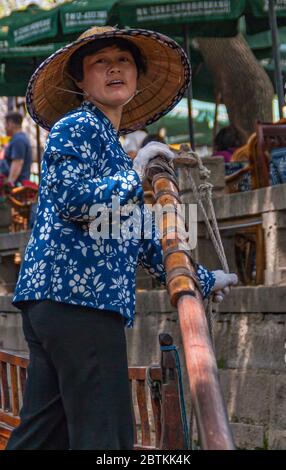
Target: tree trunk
[[245, 87]]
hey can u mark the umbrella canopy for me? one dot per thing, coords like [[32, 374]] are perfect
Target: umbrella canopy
[[206, 18], [17, 64], [257, 15], [176, 122], [16, 18], [211, 18], [62, 23], [23, 14]]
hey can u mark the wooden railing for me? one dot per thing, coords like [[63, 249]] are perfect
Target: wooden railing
[[155, 395]]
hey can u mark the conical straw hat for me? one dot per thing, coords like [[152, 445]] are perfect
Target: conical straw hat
[[163, 85]]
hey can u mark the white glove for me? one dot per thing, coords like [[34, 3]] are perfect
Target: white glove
[[222, 285], [151, 150]]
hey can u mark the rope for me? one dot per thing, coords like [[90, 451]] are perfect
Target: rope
[[204, 193], [181, 391], [205, 190]]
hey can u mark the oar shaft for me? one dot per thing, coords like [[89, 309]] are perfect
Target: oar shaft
[[207, 399], [183, 289]]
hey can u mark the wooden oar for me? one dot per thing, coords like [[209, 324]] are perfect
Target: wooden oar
[[184, 291]]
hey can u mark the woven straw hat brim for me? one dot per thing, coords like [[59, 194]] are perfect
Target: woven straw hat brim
[[167, 77]]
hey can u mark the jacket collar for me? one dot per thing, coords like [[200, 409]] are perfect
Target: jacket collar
[[87, 105]]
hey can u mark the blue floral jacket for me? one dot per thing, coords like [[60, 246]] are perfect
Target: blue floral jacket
[[85, 164]]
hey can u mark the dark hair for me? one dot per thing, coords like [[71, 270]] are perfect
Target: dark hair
[[15, 117], [151, 138], [75, 64], [229, 137]]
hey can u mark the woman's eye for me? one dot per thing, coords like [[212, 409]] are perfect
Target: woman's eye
[[124, 59], [100, 61]]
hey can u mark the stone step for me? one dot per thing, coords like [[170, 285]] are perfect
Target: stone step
[[250, 299]]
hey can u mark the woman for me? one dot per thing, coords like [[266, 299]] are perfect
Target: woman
[[76, 292], [227, 140]]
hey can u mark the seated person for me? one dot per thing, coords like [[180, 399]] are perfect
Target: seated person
[[276, 158], [227, 140], [16, 164], [152, 138]]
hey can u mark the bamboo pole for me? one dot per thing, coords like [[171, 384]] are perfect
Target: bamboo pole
[[184, 291]]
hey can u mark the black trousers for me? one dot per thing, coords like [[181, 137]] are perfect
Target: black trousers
[[77, 393]]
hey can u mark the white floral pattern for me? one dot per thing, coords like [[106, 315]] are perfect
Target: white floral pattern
[[85, 164]]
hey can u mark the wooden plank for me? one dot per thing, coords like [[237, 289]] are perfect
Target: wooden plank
[[156, 408], [4, 436], [8, 418], [143, 411], [23, 378], [14, 390], [138, 447], [139, 372], [16, 360], [133, 412], [5, 398]]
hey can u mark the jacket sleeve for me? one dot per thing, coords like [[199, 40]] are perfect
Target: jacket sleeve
[[151, 259], [71, 174]]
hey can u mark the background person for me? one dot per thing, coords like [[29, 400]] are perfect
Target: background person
[[227, 140], [17, 161]]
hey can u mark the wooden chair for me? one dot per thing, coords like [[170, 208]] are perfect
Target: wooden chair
[[245, 154], [156, 402], [269, 137], [233, 182], [21, 199], [257, 152], [13, 373], [250, 254], [249, 247]]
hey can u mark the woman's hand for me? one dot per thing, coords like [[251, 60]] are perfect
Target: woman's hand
[[151, 150], [222, 285]]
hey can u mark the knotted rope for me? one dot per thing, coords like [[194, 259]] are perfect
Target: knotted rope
[[203, 194]]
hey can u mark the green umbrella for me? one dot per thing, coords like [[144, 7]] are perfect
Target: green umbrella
[[22, 52], [17, 64], [15, 18], [257, 15], [176, 122], [206, 18], [62, 23], [18, 16]]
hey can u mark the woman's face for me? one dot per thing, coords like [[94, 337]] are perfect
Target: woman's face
[[104, 67]]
